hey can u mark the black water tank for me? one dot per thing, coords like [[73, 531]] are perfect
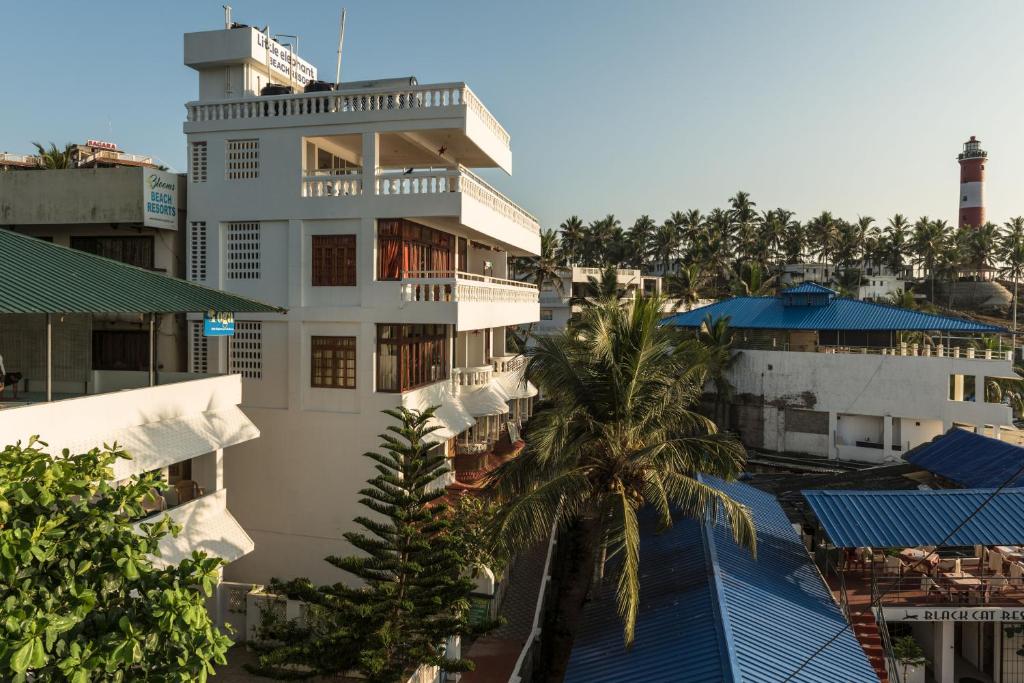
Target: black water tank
[[318, 86], [276, 89]]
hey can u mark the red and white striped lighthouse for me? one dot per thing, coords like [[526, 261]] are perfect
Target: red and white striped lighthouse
[[972, 183]]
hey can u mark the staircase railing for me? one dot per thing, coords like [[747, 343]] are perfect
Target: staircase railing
[[883, 630]]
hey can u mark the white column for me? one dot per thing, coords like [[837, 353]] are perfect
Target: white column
[[886, 436], [371, 161], [958, 387], [943, 659], [208, 470], [997, 650]]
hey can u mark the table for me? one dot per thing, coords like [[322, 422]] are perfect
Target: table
[[963, 579], [914, 557]]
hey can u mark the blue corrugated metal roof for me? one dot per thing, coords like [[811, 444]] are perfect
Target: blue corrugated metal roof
[[897, 519], [710, 612], [770, 313], [971, 460], [810, 288]]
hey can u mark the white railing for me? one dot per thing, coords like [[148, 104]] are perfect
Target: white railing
[[18, 158], [393, 183], [343, 101], [332, 186], [597, 272], [477, 376], [117, 156], [449, 286], [509, 363], [938, 351], [522, 673]]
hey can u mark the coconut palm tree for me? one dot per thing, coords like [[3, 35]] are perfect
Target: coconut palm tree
[[717, 346], [1011, 254], [53, 158], [896, 232], [927, 242], [822, 233], [544, 270], [620, 435], [685, 286], [664, 245], [640, 237], [570, 247], [690, 225], [745, 218], [751, 279]]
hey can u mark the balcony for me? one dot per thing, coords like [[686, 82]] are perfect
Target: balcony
[[206, 526], [158, 426], [488, 143], [468, 299]]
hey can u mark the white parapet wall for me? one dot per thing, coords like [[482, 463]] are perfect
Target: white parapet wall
[[797, 401]]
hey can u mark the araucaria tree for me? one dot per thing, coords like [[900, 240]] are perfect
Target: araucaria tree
[[414, 567], [620, 434], [80, 598]]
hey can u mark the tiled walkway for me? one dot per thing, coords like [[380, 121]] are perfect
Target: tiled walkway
[[495, 654]]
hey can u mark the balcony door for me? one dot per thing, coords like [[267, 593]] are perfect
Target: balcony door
[[407, 249]]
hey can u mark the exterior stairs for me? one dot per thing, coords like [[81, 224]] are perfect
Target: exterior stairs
[[865, 628]]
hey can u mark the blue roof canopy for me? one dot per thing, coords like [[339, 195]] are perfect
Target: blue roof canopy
[[711, 612], [812, 307], [899, 519], [971, 460]]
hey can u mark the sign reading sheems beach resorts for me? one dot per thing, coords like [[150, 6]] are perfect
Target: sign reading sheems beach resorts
[[954, 614], [159, 199]]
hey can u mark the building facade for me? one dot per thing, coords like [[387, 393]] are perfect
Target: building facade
[[579, 283], [356, 210]]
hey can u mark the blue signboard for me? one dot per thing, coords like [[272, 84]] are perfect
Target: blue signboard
[[218, 324]]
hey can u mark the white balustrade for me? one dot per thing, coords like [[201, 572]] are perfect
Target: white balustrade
[[460, 287], [418, 182], [345, 101], [510, 363], [466, 378], [332, 186]]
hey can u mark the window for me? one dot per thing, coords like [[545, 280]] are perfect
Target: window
[[135, 251], [242, 160], [198, 349], [407, 249], [197, 251], [546, 314], [333, 362], [245, 355], [334, 260], [120, 350], [198, 160], [409, 356], [243, 260]]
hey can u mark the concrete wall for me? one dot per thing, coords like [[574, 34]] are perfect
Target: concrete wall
[[867, 390], [80, 195]]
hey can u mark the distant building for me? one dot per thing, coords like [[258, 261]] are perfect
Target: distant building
[[120, 206], [579, 284], [817, 373], [877, 282]]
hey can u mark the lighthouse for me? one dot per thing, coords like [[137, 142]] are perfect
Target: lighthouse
[[972, 183]]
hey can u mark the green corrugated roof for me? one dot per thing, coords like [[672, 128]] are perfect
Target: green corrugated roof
[[37, 276]]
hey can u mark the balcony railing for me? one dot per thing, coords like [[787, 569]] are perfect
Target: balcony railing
[[905, 350], [472, 377], [455, 286], [332, 185], [357, 100], [461, 179]]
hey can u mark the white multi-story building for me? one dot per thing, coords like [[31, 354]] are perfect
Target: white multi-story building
[[853, 380], [356, 210], [877, 282], [558, 305]]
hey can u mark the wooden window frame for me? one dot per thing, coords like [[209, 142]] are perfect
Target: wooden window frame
[[420, 353], [343, 358], [414, 248], [334, 261]]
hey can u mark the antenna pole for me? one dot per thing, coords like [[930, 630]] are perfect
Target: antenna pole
[[266, 53], [341, 42]]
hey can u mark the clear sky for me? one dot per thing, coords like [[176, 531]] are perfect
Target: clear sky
[[613, 107]]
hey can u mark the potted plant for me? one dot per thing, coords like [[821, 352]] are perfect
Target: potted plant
[[911, 659]]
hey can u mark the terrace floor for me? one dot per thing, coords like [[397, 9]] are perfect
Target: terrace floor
[[907, 591]]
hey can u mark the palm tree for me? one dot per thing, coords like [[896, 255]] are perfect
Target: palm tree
[[745, 219], [718, 356], [619, 435], [927, 243], [822, 231], [640, 236], [603, 290], [793, 241], [571, 242], [664, 245], [1011, 253], [544, 270], [690, 224], [896, 241], [53, 158], [685, 286], [751, 280]]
